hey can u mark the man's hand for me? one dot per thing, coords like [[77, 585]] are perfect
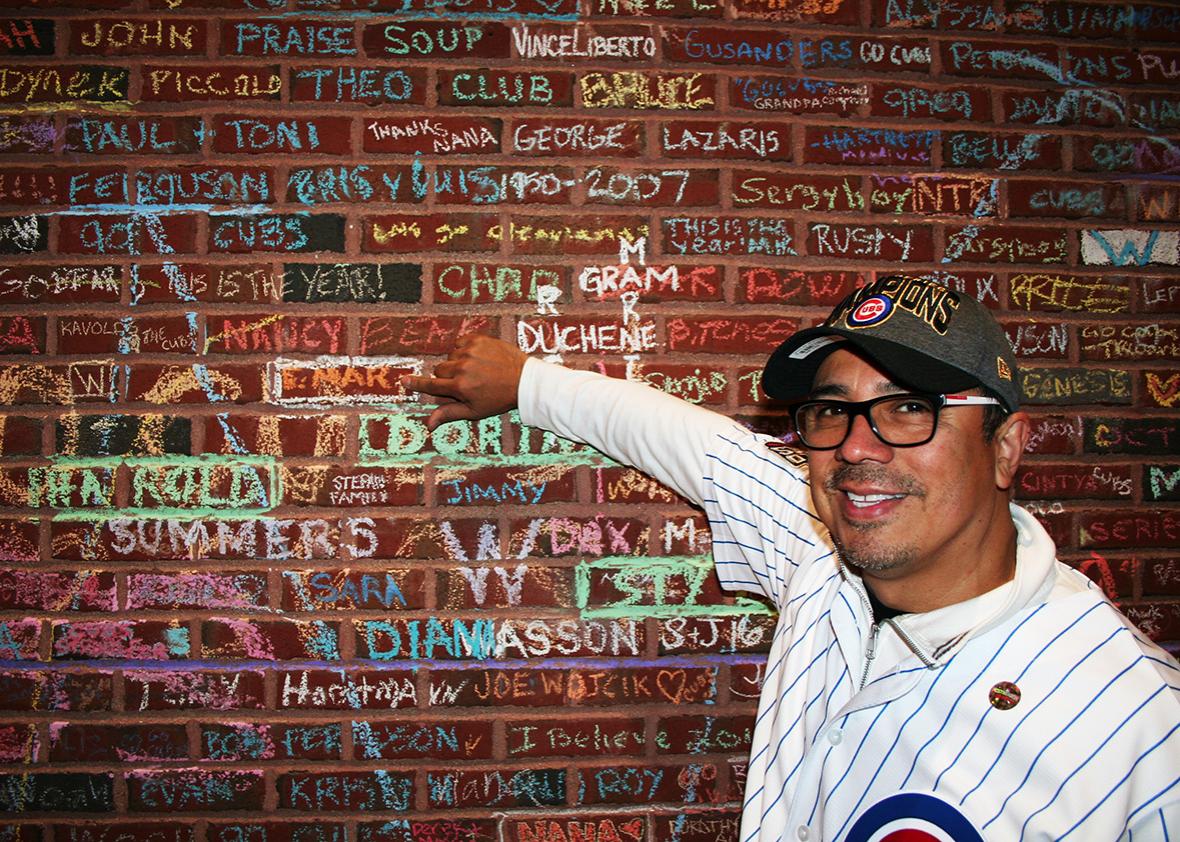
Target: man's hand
[[480, 377]]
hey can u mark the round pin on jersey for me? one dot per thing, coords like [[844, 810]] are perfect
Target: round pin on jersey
[[1004, 696]]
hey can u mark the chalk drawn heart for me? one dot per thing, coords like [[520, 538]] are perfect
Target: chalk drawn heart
[[1163, 392], [671, 684]]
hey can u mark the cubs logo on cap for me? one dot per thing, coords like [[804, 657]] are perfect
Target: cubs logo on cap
[[871, 311], [913, 817]]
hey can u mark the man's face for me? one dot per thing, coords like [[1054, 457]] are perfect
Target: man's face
[[894, 511]]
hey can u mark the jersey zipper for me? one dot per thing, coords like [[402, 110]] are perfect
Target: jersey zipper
[[909, 641], [870, 653]]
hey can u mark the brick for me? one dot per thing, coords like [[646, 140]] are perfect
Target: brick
[[1158, 528], [1041, 340], [24, 234], [1137, 436], [432, 135], [840, 12], [210, 83], [63, 284], [504, 88], [1065, 18], [85, 590], [374, 790], [788, 191], [644, 91], [697, 826], [113, 36], [1155, 111], [760, 285], [1159, 576], [1161, 482], [577, 738], [735, 335], [1129, 342], [147, 335], [26, 135], [1055, 291], [27, 37], [1160, 388], [588, 826], [193, 690], [282, 233], [196, 590], [911, 102], [797, 95], [203, 184], [581, 42], [883, 55], [1115, 576], [194, 790], [746, 633], [276, 334], [139, 135], [954, 15], [677, 784], [270, 640], [451, 232], [693, 383], [22, 335], [272, 135], [496, 486], [1001, 59], [297, 37], [357, 85], [433, 740], [58, 792], [717, 45], [29, 691], [73, 742], [1054, 482], [1068, 386], [1101, 64], [113, 639], [322, 485], [241, 283], [729, 140], [665, 9], [1140, 155], [866, 146], [1001, 151], [122, 832], [65, 84], [434, 830], [340, 689], [519, 687], [23, 187], [422, 39], [1157, 203], [472, 283], [566, 136], [338, 380], [1073, 200], [488, 185], [679, 187], [126, 234], [497, 788], [277, 831], [1054, 434], [20, 436], [363, 283], [1076, 107], [590, 335], [728, 235], [21, 639], [276, 435], [705, 734], [351, 590], [571, 234], [192, 384], [651, 283], [1006, 244], [1159, 620], [892, 243], [121, 435], [419, 335]]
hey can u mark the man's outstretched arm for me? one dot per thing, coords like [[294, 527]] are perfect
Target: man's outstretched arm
[[630, 422]]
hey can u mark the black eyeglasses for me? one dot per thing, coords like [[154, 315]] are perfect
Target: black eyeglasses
[[905, 420]]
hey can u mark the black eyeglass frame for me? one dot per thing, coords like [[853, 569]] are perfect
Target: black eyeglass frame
[[864, 408]]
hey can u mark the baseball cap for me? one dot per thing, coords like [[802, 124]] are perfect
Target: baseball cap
[[926, 336]]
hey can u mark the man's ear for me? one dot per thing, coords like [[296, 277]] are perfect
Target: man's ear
[[1008, 446]]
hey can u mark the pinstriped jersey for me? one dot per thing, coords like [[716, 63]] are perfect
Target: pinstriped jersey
[[1032, 712]]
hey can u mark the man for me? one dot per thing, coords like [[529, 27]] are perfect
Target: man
[[940, 675]]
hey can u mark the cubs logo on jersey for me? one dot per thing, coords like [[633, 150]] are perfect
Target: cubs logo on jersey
[[913, 817]]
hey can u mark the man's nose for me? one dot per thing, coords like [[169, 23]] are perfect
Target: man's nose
[[862, 444]]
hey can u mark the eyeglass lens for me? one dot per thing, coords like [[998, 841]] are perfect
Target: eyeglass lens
[[896, 419]]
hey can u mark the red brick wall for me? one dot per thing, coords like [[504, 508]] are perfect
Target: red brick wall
[[245, 596]]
